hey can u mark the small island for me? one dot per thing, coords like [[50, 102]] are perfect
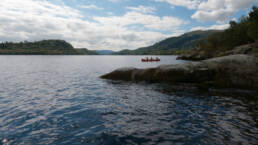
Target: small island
[[44, 47]]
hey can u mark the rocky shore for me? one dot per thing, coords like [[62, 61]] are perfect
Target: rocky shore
[[233, 71]]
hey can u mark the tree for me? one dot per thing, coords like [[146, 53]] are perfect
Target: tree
[[232, 24], [253, 31], [253, 24], [253, 15]]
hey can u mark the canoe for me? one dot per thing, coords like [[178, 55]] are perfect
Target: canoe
[[150, 60]]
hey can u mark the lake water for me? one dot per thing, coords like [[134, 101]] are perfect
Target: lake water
[[62, 100]]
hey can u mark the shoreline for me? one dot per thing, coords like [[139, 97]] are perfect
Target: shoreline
[[233, 72]]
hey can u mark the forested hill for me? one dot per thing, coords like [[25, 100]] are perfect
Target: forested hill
[[44, 47], [171, 45], [240, 38]]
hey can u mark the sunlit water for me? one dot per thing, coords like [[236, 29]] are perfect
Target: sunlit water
[[62, 100]]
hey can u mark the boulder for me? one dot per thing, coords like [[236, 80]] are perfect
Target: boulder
[[234, 71]]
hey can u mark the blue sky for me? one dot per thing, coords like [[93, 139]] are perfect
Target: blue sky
[[114, 24]]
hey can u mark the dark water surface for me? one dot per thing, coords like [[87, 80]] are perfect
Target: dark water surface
[[62, 100]]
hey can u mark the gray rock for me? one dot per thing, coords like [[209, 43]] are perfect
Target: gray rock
[[235, 71], [199, 54], [243, 49]]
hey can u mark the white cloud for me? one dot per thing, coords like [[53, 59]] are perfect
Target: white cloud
[[148, 21], [220, 15], [91, 7], [220, 10], [142, 9], [39, 19], [190, 4], [212, 10], [213, 27]]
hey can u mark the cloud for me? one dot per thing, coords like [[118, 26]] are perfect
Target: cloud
[[190, 4], [220, 15], [148, 21], [220, 10], [142, 9], [140, 26], [91, 7], [212, 10], [40, 19], [20, 20], [213, 27]]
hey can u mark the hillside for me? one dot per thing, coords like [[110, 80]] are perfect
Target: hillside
[[171, 45], [44, 47], [240, 38], [85, 51]]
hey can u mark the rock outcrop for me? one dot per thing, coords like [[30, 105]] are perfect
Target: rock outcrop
[[203, 54], [234, 71]]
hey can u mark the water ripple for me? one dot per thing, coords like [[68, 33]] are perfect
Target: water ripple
[[61, 100]]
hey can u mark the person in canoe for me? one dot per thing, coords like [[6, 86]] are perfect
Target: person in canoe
[[150, 60]]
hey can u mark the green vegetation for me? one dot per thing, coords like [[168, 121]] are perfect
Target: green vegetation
[[84, 51], [173, 45], [44, 47], [244, 32]]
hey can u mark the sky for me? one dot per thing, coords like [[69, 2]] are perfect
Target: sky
[[114, 24]]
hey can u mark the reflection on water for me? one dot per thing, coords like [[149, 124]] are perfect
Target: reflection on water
[[61, 100]]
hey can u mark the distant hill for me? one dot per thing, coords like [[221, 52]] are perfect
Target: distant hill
[[171, 45], [44, 47], [105, 52]]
